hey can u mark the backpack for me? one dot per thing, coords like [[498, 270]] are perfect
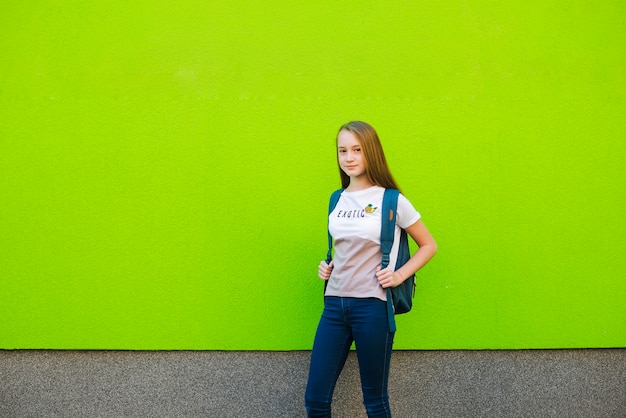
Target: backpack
[[399, 298]]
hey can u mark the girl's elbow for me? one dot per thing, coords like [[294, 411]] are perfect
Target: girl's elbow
[[434, 247]]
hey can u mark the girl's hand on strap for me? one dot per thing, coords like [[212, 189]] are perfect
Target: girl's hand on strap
[[324, 270], [388, 278]]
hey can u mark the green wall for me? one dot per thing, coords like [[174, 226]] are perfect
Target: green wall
[[165, 168]]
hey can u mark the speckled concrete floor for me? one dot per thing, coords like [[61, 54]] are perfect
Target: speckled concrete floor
[[528, 383]]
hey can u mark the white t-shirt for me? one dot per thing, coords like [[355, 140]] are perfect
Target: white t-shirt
[[354, 225]]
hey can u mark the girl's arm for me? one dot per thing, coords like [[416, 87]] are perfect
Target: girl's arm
[[427, 249]]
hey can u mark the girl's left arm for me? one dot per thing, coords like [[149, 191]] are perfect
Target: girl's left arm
[[426, 251]]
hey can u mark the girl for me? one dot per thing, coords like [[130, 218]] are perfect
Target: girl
[[355, 306]]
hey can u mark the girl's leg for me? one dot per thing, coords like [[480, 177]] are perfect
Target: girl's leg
[[374, 342], [330, 350]]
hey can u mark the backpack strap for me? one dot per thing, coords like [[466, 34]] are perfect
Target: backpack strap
[[387, 231], [334, 198]]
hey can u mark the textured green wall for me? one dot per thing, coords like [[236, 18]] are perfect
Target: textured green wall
[[165, 168]]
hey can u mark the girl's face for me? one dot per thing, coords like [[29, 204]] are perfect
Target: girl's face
[[350, 155]]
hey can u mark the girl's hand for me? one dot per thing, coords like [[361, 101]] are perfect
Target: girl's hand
[[324, 270], [388, 278]]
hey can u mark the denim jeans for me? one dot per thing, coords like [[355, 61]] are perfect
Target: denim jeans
[[343, 321]]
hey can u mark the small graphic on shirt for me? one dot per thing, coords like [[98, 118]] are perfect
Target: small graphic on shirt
[[370, 209]]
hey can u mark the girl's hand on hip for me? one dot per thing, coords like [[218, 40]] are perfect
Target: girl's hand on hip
[[324, 270], [388, 278]]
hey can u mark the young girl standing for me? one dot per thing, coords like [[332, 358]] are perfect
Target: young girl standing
[[355, 308]]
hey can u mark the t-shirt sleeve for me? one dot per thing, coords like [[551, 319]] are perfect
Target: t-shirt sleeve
[[407, 215]]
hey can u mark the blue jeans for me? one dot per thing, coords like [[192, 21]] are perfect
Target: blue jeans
[[343, 321]]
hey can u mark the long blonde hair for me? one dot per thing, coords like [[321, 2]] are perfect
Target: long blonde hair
[[376, 167]]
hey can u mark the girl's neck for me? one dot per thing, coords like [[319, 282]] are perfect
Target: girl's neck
[[359, 183]]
